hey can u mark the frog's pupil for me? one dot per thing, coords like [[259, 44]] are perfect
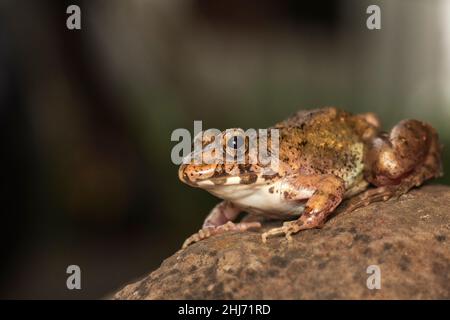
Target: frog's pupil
[[235, 142]]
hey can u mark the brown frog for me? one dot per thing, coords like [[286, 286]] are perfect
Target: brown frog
[[325, 156]]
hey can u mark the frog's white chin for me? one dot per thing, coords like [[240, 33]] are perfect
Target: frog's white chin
[[231, 188], [232, 192], [257, 198], [230, 181]]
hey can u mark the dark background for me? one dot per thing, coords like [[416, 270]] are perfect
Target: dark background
[[86, 116]]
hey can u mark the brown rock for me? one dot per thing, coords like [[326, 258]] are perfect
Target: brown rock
[[408, 238]]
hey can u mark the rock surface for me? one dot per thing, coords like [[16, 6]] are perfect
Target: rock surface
[[408, 238]]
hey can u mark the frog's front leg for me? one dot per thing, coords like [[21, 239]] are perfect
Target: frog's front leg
[[327, 193], [220, 220]]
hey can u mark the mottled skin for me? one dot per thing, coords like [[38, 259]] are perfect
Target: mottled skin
[[326, 155]]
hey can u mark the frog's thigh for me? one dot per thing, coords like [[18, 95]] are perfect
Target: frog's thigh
[[406, 159], [407, 147]]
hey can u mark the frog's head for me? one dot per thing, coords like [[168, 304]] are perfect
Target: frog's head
[[227, 161]]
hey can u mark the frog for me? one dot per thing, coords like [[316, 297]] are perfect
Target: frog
[[326, 155]]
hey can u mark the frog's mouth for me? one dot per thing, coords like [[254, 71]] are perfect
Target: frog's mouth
[[208, 176], [194, 175]]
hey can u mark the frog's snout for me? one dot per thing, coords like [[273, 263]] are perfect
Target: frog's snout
[[191, 174]]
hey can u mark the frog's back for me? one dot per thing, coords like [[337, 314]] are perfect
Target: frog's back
[[322, 141], [315, 117]]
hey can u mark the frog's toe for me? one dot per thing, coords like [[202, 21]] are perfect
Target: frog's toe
[[288, 229], [196, 237], [271, 232]]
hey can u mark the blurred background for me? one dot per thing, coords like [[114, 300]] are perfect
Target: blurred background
[[86, 115]]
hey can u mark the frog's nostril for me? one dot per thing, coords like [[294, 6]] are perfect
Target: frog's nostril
[[186, 175]]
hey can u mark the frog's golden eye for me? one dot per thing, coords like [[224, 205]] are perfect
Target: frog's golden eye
[[235, 142]]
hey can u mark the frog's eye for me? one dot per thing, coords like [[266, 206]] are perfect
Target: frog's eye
[[235, 142]]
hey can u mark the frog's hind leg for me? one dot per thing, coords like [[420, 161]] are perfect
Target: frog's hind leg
[[357, 188], [220, 220], [405, 159]]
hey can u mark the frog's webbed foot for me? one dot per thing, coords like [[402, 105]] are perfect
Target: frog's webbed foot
[[208, 232]]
